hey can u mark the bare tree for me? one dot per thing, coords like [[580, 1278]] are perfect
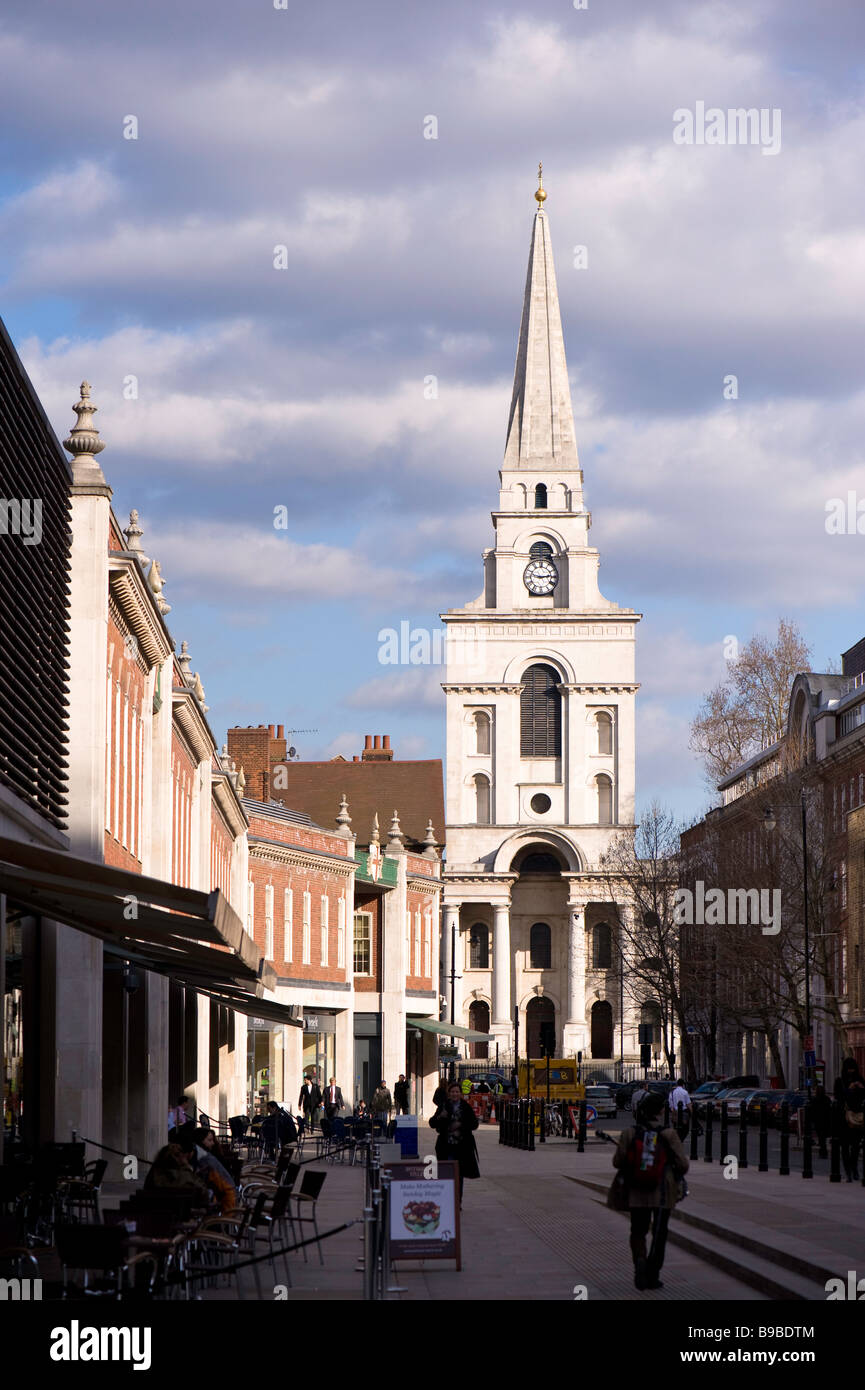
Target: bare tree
[[748, 709], [641, 869]]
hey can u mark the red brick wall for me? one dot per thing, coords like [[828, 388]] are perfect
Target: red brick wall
[[369, 984], [254, 750]]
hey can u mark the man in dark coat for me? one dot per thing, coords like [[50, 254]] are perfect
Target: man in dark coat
[[455, 1123], [332, 1099], [309, 1099], [400, 1095]]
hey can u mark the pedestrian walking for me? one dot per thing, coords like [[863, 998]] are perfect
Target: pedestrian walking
[[455, 1122], [382, 1104], [440, 1094], [650, 1163], [850, 1094], [637, 1096], [401, 1095], [332, 1100], [678, 1096], [309, 1099]]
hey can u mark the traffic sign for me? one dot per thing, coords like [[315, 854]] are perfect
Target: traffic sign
[[808, 1043], [810, 1059]]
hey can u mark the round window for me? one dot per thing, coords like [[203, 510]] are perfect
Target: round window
[[540, 803]]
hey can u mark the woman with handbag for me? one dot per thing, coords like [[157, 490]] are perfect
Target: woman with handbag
[[651, 1165], [850, 1095]]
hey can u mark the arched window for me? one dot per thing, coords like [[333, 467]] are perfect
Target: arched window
[[541, 496], [605, 732], [479, 1022], [540, 713], [540, 949], [602, 946], [482, 800], [479, 947], [605, 800], [482, 732]]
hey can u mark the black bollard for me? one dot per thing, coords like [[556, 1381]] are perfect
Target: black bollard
[[543, 1126], [695, 1137], [581, 1137], [532, 1126], [763, 1166], [807, 1144], [784, 1170], [710, 1115], [835, 1144], [743, 1138], [725, 1136]]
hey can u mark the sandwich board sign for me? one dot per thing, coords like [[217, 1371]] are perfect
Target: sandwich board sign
[[424, 1211]]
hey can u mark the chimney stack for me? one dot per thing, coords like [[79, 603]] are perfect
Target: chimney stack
[[377, 743], [280, 731], [368, 741]]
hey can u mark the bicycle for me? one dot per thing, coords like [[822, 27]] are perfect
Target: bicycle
[[553, 1122]]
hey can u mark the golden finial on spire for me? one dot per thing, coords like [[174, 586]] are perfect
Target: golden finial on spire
[[541, 193]]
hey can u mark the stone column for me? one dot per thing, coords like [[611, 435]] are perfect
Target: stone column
[[502, 965], [451, 926], [574, 1038]]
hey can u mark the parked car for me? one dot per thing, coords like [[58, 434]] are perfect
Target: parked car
[[624, 1093], [754, 1102], [736, 1082], [603, 1099], [736, 1099], [701, 1102], [794, 1099]]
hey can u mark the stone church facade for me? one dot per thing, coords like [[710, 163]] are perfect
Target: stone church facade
[[540, 694]]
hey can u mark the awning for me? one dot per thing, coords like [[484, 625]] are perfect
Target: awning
[[256, 1008], [448, 1030], [192, 937]]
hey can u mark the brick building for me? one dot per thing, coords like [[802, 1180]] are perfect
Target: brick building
[[125, 970], [820, 759], [350, 925]]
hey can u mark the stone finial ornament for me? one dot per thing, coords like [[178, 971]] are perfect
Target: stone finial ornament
[[198, 688], [343, 819], [374, 837], [430, 851], [133, 534], [184, 661], [84, 442], [157, 583], [395, 844], [241, 782]]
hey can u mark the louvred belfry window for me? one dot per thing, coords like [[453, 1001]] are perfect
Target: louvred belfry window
[[34, 597], [540, 713]]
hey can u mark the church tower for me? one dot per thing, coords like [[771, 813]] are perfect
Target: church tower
[[540, 733]]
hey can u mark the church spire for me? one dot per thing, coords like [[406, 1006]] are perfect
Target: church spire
[[541, 421]]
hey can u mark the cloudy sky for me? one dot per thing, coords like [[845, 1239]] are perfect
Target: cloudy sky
[[303, 387]]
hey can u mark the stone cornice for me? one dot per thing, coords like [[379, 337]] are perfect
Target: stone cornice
[[300, 857], [134, 599], [189, 718], [503, 688], [594, 688], [571, 616], [430, 886], [226, 798]]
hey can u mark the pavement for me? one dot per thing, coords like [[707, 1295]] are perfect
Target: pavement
[[535, 1227]]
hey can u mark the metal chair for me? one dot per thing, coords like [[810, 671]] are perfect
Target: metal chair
[[305, 1199], [80, 1196], [101, 1251]]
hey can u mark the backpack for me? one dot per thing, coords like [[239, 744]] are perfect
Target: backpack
[[645, 1160]]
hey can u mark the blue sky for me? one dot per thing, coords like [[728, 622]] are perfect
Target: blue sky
[[406, 257]]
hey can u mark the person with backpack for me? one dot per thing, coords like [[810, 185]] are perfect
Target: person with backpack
[[650, 1163], [850, 1097]]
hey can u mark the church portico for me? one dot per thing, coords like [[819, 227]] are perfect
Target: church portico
[[540, 727]]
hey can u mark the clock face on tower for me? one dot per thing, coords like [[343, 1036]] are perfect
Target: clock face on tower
[[540, 576]]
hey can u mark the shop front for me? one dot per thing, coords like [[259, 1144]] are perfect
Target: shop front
[[319, 1045]]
